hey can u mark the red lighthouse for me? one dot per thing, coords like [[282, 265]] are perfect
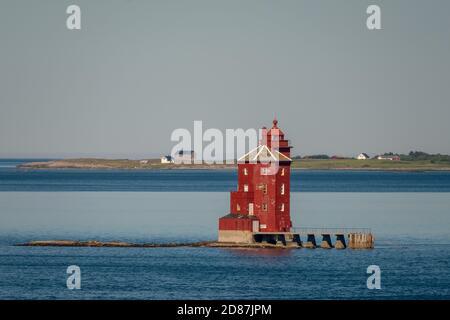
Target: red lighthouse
[[262, 201]]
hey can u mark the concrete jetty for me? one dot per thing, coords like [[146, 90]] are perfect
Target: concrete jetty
[[353, 238], [310, 241], [345, 238], [361, 240]]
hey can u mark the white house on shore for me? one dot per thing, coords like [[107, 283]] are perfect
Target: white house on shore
[[167, 159], [362, 156], [391, 158]]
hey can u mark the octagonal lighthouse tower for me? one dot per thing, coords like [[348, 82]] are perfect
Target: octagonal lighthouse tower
[[262, 202]]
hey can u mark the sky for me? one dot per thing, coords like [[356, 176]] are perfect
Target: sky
[[138, 70]]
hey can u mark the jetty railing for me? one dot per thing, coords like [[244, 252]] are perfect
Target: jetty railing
[[309, 230]]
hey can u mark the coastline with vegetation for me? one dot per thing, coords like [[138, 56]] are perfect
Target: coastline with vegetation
[[408, 163], [117, 164]]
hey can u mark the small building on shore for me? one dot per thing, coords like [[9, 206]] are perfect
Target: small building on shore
[[363, 156], [391, 158], [167, 159]]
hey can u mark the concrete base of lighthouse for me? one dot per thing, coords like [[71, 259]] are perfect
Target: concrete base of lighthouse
[[236, 236], [236, 228]]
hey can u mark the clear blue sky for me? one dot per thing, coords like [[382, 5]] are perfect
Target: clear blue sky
[[140, 69]]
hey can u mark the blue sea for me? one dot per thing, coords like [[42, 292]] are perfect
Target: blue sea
[[54, 180], [409, 213]]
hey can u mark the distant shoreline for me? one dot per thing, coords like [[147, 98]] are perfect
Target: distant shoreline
[[301, 164]]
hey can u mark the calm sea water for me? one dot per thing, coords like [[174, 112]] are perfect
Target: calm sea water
[[12, 179], [411, 228]]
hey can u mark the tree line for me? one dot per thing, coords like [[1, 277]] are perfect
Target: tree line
[[411, 156]]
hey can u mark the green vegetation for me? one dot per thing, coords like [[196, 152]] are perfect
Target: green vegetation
[[414, 160], [314, 156], [419, 156], [370, 164]]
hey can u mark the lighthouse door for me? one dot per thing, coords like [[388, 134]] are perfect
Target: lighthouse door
[[250, 209], [255, 226]]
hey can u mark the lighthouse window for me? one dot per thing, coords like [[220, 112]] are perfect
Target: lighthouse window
[[282, 171], [245, 187], [282, 188], [264, 188], [245, 172], [282, 207], [264, 207], [264, 171], [238, 207]]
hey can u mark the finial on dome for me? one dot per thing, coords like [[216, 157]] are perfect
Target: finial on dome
[[275, 122]]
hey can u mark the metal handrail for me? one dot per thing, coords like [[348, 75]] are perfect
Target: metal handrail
[[309, 230]]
